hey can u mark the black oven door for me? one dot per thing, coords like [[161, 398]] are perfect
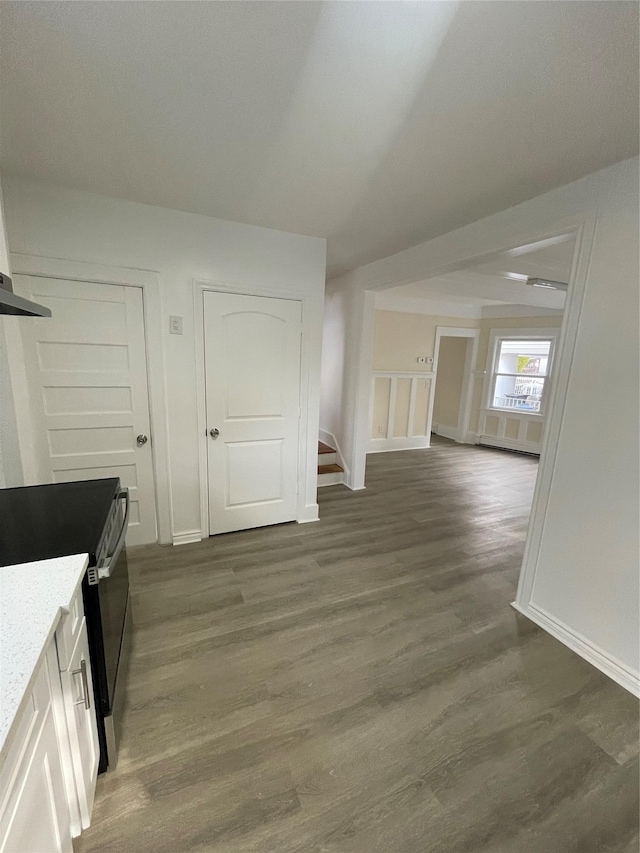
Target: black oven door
[[114, 601], [109, 623]]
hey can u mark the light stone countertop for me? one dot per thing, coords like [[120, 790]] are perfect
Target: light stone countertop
[[33, 597]]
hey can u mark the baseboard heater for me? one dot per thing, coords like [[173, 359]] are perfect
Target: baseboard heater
[[489, 444]]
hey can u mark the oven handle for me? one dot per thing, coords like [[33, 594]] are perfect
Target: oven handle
[[105, 571]]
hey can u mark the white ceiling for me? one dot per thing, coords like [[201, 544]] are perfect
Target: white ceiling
[[376, 125], [500, 280]]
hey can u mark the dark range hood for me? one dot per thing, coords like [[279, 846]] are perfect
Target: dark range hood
[[10, 303]]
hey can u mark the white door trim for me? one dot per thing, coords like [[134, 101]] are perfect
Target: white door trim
[[149, 282], [307, 506], [466, 397]]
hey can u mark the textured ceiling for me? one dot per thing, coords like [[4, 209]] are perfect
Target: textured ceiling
[[376, 125]]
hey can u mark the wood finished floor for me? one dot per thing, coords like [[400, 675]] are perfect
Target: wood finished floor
[[361, 685]]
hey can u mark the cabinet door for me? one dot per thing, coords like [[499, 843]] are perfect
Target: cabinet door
[[34, 814], [77, 691]]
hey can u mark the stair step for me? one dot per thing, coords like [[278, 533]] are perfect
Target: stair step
[[324, 448], [330, 469]]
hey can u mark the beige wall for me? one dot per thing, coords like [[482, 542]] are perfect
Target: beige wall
[[550, 321], [399, 338], [448, 392]]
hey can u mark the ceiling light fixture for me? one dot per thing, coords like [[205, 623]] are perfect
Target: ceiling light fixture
[[548, 284]]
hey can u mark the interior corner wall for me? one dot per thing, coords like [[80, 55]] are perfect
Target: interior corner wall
[[343, 351], [333, 362], [11, 473], [55, 222]]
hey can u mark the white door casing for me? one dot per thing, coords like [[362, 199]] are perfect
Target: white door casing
[[252, 386], [90, 360]]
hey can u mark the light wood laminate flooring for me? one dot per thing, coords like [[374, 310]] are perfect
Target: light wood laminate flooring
[[361, 685]]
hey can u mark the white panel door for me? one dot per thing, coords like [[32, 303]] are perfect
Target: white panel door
[[252, 367], [90, 359]]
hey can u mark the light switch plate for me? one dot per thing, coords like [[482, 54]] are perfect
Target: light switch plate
[[175, 325]]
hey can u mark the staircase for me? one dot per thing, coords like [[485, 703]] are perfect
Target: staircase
[[329, 472]]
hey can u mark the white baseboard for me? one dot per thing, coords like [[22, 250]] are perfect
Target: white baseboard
[[509, 444], [349, 484], [311, 512], [384, 445], [583, 647], [187, 538], [330, 439], [446, 431]]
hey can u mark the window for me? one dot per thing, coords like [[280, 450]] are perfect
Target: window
[[521, 368]]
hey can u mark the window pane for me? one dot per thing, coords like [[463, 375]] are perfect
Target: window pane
[[530, 358], [522, 393]]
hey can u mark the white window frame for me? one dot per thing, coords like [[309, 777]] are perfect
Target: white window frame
[[495, 339]]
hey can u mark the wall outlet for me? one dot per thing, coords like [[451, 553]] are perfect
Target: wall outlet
[[175, 325], [422, 359], [429, 359]]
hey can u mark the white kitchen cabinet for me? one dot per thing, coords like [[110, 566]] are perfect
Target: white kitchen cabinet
[[34, 812], [48, 775], [80, 718]]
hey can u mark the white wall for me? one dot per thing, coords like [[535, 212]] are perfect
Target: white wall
[[587, 572], [580, 573], [50, 221], [10, 463], [333, 359]]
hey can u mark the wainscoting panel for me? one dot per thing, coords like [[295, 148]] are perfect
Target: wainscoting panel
[[399, 410], [509, 430]]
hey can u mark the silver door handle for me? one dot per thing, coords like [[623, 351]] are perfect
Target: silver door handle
[[86, 699], [214, 433], [104, 571], [141, 440]]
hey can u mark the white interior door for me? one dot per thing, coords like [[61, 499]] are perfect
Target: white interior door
[[90, 360], [252, 369]]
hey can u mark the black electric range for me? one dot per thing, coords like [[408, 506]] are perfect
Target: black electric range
[[87, 517]]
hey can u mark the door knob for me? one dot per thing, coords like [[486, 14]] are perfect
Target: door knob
[[86, 699], [214, 433], [141, 439]]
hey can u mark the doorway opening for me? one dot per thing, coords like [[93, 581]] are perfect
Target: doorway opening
[[483, 342], [454, 362]]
